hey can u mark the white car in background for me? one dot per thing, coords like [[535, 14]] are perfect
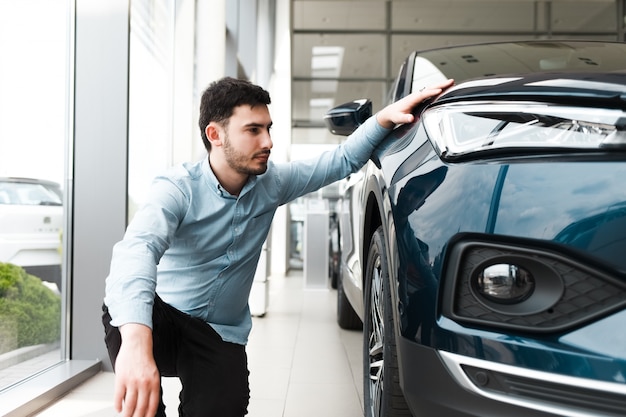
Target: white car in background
[[31, 220]]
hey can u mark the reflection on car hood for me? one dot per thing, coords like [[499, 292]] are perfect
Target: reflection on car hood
[[607, 89]]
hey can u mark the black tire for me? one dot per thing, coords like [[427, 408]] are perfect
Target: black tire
[[334, 276], [382, 394], [346, 316], [333, 270], [334, 253]]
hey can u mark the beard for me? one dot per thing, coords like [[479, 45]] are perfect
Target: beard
[[242, 163]]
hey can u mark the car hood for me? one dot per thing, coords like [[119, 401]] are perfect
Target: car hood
[[579, 88]]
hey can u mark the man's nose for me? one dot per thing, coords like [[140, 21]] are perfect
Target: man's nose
[[266, 142]]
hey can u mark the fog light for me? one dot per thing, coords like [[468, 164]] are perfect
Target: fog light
[[504, 283]]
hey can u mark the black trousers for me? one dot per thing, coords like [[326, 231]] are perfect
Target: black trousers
[[213, 373]]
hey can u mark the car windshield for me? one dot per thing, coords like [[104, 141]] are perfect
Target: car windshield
[[30, 194], [475, 61]]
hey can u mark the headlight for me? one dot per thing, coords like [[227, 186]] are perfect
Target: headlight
[[458, 129]]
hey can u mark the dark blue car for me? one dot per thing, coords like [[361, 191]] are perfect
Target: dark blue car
[[484, 246]]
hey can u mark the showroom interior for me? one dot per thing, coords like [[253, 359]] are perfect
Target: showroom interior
[[100, 96]]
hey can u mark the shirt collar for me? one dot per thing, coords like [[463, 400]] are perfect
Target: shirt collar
[[215, 185]]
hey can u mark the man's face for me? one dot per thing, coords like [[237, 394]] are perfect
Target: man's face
[[247, 140]]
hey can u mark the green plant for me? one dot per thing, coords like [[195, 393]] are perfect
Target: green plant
[[30, 311]]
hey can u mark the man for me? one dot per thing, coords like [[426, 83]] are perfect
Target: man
[[176, 300]]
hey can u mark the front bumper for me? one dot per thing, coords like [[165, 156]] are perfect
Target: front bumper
[[452, 385]]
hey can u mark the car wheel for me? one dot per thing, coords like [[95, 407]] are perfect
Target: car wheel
[[382, 394], [346, 316]]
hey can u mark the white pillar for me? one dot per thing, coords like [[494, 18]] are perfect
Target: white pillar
[[210, 55], [280, 87]]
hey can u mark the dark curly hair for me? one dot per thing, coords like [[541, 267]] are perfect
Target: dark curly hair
[[220, 99]]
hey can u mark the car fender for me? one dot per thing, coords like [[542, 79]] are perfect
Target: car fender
[[382, 175], [377, 212]]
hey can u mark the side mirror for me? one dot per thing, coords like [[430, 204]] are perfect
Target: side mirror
[[344, 119]]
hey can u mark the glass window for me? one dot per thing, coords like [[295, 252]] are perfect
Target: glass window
[[330, 70], [161, 91], [150, 94], [341, 55], [34, 123], [308, 111]]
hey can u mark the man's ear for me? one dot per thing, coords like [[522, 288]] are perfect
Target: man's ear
[[214, 133]]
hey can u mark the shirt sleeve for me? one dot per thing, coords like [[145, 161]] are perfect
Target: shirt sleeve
[[302, 177], [130, 285]]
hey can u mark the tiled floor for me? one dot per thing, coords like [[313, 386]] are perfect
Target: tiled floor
[[301, 363]]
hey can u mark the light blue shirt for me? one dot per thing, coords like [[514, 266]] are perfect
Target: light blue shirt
[[198, 246]]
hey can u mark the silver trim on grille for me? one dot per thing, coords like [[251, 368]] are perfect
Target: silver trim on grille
[[455, 362]]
